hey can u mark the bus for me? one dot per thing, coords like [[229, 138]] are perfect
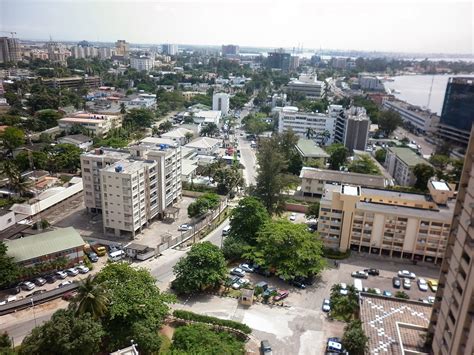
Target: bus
[[358, 285]]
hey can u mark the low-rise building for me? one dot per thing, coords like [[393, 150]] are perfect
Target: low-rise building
[[420, 119], [206, 117], [313, 180], [79, 140], [97, 125], [385, 222], [7, 219], [73, 82], [46, 247], [178, 135], [309, 149], [307, 85], [142, 101], [205, 145], [400, 162]]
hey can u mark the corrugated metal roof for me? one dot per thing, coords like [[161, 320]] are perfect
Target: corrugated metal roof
[[43, 244]]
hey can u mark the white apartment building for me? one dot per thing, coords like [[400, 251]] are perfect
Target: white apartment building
[[307, 85], [221, 102], [178, 135], [301, 122], [142, 63], [105, 52], [400, 163], [205, 145], [98, 125], [420, 119], [206, 117], [370, 83], [170, 49], [143, 101]]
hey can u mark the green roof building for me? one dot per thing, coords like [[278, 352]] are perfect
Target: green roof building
[[46, 247], [400, 162]]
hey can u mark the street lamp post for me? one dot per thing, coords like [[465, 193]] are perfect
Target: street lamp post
[[34, 313]]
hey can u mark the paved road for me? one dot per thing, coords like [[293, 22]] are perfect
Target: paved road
[[248, 156], [426, 147]]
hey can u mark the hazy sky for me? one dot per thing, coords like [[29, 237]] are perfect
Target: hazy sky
[[381, 25]]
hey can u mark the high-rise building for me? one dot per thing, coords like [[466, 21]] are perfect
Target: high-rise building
[[221, 102], [457, 115], [106, 52], [9, 50], [230, 50], [169, 49], [57, 53], [142, 63], [352, 127], [122, 49], [452, 319], [279, 60]]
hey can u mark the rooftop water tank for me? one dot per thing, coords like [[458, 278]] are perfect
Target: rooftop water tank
[[118, 168]]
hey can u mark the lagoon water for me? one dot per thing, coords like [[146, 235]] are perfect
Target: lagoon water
[[415, 89]]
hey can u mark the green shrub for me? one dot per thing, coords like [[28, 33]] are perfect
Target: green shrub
[[186, 315], [335, 254]]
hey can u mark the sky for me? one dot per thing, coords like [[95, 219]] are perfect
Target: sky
[[410, 26]]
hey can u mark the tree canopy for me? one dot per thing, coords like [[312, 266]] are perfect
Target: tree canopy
[[12, 138], [203, 267], [338, 155], [313, 210], [139, 117], [389, 120], [364, 165], [247, 219], [423, 172], [9, 269], [354, 339], [203, 204]]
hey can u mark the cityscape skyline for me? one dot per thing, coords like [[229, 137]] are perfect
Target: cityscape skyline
[[434, 26]]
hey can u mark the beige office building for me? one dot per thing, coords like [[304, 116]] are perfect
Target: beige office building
[[386, 222], [98, 125], [452, 320]]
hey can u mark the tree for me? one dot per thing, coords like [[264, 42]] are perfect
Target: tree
[[228, 178], [209, 130], [6, 345], [289, 248], [65, 333], [165, 126], [364, 165], [188, 136], [201, 339], [310, 133], [247, 219], [12, 138], [402, 295], [338, 156], [91, 298], [380, 155], [9, 270], [423, 172], [354, 339], [313, 211], [270, 179], [136, 308], [123, 109], [65, 157], [139, 117], [439, 161], [388, 121], [48, 117], [203, 267], [203, 204], [344, 306]]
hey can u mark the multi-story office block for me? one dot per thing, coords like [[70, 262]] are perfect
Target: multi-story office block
[[221, 102], [9, 50], [423, 121], [122, 49], [452, 320], [142, 63], [169, 49], [387, 222], [457, 115], [307, 85], [352, 127], [91, 165], [400, 163], [97, 125], [230, 50], [279, 60], [73, 82]]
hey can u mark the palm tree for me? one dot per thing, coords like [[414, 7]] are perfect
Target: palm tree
[[123, 110], [310, 133], [10, 171], [91, 298], [21, 184], [188, 136]]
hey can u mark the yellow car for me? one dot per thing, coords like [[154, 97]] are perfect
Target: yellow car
[[433, 285]]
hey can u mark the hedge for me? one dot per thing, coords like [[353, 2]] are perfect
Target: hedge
[[186, 315], [335, 254]]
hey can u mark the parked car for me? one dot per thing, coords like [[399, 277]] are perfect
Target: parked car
[[360, 274], [281, 294], [68, 296], [246, 267], [372, 272], [298, 283], [396, 282], [406, 274], [50, 279], [433, 284], [387, 293], [422, 285], [377, 291], [64, 283], [93, 257], [262, 284], [99, 249], [39, 281], [82, 269], [241, 282], [326, 305], [27, 285], [343, 291], [431, 299], [72, 271], [293, 217], [61, 275], [406, 284], [262, 271], [15, 290], [237, 272], [265, 347], [334, 346], [184, 227], [269, 291]]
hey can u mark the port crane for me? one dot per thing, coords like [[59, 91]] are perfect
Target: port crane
[[10, 32]]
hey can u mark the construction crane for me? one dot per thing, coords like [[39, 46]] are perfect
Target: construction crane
[[10, 32], [429, 95]]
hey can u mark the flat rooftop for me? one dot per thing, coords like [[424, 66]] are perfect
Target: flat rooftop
[[309, 149], [344, 177], [107, 152], [382, 317], [408, 156], [127, 166], [440, 185]]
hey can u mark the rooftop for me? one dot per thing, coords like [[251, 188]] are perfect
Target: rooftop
[[32, 247], [383, 317], [408, 156], [177, 133], [126, 166], [309, 149], [208, 114], [203, 142], [108, 152], [440, 185], [80, 138], [344, 177]]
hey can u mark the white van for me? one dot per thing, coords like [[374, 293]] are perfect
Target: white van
[[226, 230], [116, 255], [358, 285]]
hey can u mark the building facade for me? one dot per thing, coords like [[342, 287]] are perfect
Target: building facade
[[279, 60], [386, 222], [122, 49], [9, 50], [400, 163], [170, 49], [457, 115], [74, 82], [142, 63], [98, 125], [422, 120], [221, 102], [230, 50], [307, 85], [452, 319]]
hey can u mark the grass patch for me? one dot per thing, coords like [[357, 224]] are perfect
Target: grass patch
[[186, 315]]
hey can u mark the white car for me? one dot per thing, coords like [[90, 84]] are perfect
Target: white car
[[378, 291], [240, 283], [293, 217], [184, 227], [72, 271], [326, 305], [406, 274], [343, 290], [431, 299], [28, 286], [246, 267], [422, 285], [64, 283], [82, 269], [406, 284]]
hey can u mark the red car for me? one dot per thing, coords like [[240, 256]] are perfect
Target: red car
[[68, 296], [281, 295]]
